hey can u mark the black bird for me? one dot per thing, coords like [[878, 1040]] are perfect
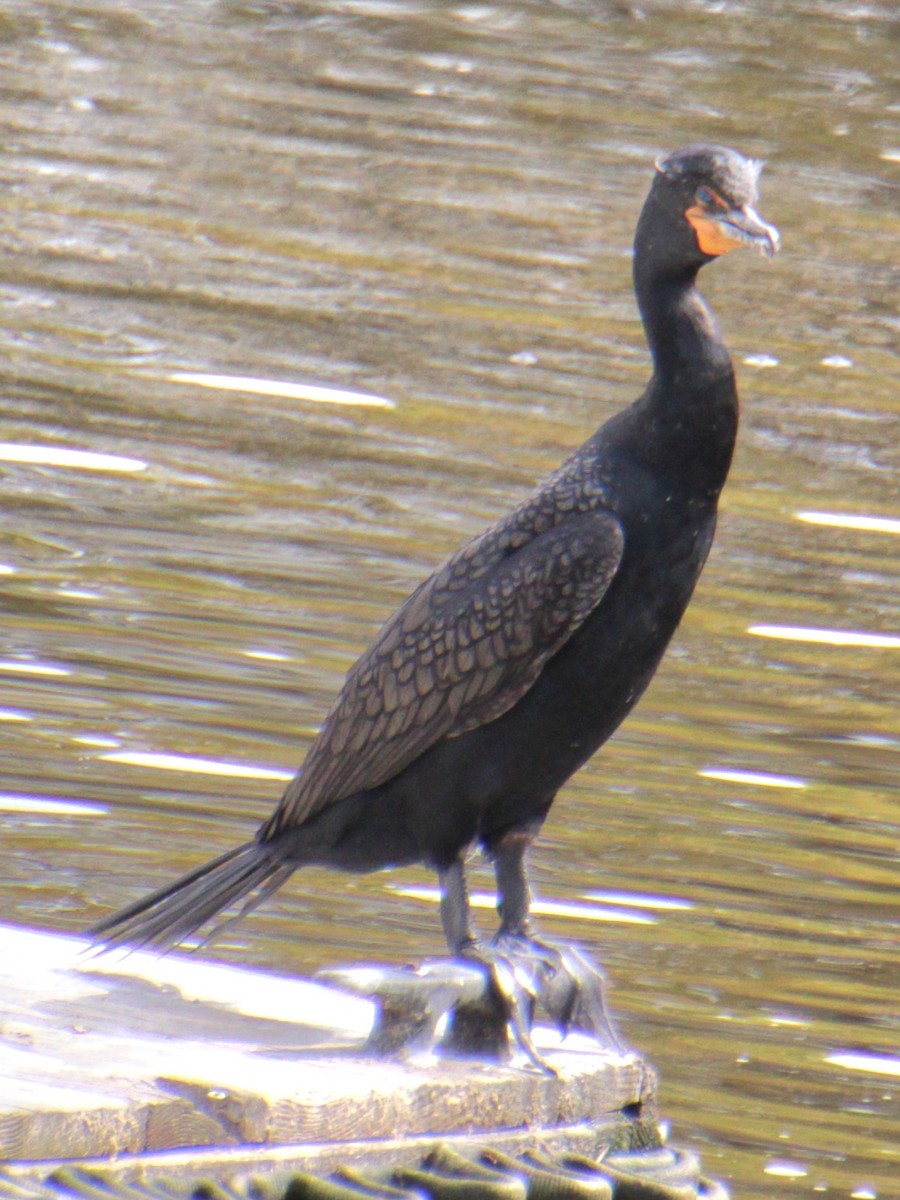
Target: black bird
[[507, 668]]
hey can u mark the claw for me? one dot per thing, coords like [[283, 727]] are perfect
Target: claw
[[524, 974], [506, 1012]]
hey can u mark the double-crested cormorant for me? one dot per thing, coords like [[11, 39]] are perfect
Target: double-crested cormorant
[[507, 668]]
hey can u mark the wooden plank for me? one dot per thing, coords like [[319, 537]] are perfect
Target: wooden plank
[[142, 1055]]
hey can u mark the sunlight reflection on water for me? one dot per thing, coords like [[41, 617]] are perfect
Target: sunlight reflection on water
[[436, 206]]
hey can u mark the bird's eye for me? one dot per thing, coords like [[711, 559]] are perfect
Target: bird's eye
[[708, 198]]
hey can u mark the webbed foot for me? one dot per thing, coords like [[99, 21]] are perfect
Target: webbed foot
[[526, 974], [574, 995], [523, 972], [502, 1017]]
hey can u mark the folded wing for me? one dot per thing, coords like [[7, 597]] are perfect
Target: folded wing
[[462, 650]]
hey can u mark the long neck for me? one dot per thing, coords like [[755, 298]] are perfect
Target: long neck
[[682, 333], [689, 412]]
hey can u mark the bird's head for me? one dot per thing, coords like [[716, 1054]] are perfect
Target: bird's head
[[714, 190]]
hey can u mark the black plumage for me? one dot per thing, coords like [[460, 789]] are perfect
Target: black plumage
[[506, 669]]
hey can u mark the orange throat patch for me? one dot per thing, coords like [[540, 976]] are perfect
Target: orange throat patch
[[712, 237]]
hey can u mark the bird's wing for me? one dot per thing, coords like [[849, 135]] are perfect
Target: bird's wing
[[465, 646]]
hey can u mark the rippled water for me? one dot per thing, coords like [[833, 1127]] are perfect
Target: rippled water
[[433, 204]]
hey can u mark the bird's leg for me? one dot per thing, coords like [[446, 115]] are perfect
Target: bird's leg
[[509, 1004], [455, 915], [513, 890], [534, 964], [569, 986]]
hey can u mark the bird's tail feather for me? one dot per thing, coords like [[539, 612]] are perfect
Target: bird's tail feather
[[169, 915]]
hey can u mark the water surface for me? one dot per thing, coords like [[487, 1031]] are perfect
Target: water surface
[[433, 204]]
